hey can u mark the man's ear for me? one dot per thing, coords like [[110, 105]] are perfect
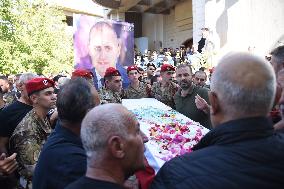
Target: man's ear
[[34, 98], [214, 102], [117, 147]]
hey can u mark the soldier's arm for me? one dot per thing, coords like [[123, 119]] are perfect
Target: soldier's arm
[[28, 150], [154, 93]]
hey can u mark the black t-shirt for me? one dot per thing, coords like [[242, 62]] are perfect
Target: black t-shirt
[[11, 116], [88, 183]]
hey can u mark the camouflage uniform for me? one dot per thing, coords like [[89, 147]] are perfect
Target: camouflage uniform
[[107, 96], [142, 92], [9, 98], [27, 141], [164, 94]]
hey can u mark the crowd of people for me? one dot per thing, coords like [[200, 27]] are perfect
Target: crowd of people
[[66, 132]]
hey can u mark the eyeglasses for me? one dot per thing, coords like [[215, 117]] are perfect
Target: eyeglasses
[[199, 79]]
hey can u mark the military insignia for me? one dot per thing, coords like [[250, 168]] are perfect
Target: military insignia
[[45, 82]]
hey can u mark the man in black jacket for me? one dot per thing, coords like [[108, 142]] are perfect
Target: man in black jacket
[[242, 150]]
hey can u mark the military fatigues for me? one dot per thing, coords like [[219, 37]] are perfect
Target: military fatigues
[[164, 94], [107, 96], [27, 141], [142, 91], [9, 98]]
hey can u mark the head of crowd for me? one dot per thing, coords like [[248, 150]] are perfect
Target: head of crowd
[[61, 131]]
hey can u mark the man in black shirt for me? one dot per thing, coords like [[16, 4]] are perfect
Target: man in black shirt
[[11, 115], [114, 147]]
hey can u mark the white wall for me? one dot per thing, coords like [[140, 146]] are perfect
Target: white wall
[[172, 30], [152, 28], [240, 24], [141, 43]]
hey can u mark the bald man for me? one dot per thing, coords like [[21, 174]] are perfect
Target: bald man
[[241, 151], [104, 51], [114, 147]]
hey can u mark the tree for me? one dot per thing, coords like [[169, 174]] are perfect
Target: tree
[[34, 38]]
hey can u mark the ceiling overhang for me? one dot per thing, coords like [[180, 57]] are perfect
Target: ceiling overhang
[[140, 6]]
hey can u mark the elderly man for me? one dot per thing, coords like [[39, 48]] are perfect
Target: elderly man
[[136, 89], [186, 97], [63, 155], [114, 146], [111, 93], [165, 89], [104, 51], [242, 151], [32, 132]]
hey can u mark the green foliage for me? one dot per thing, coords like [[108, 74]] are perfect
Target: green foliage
[[34, 38]]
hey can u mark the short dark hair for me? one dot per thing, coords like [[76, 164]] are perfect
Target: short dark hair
[[201, 72], [184, 66], [74, 100], [3, 77], [56, 78]]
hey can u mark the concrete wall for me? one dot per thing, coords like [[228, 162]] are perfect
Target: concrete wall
[[242, 24], [198, 13], [152, 28], [172, 30]]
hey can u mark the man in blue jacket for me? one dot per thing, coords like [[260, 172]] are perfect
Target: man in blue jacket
[[242, 150], [63, 158]]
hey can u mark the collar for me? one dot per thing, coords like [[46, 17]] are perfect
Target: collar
[[68, 135], [191, 90], [44, 124], [237, 130]]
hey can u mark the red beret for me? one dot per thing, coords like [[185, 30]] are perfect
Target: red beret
[[111, 72], [130, 68], [82, 73], [38, 84], [167, 67]]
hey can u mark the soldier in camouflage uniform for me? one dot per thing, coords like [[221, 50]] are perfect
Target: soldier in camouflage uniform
[[8, 96], [165, 90], [112, 92], [32, 132], [136, 88]]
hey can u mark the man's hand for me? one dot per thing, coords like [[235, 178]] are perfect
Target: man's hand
[[201, 104], [53, 117], [8, 164], [131, 183]]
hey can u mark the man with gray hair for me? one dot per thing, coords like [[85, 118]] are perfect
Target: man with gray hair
[[114, 146], [242, 151], [11, 115]]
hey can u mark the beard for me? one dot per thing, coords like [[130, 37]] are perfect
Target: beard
[[185, 85]]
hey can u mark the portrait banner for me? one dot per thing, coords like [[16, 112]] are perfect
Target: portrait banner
[[101, 43]]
